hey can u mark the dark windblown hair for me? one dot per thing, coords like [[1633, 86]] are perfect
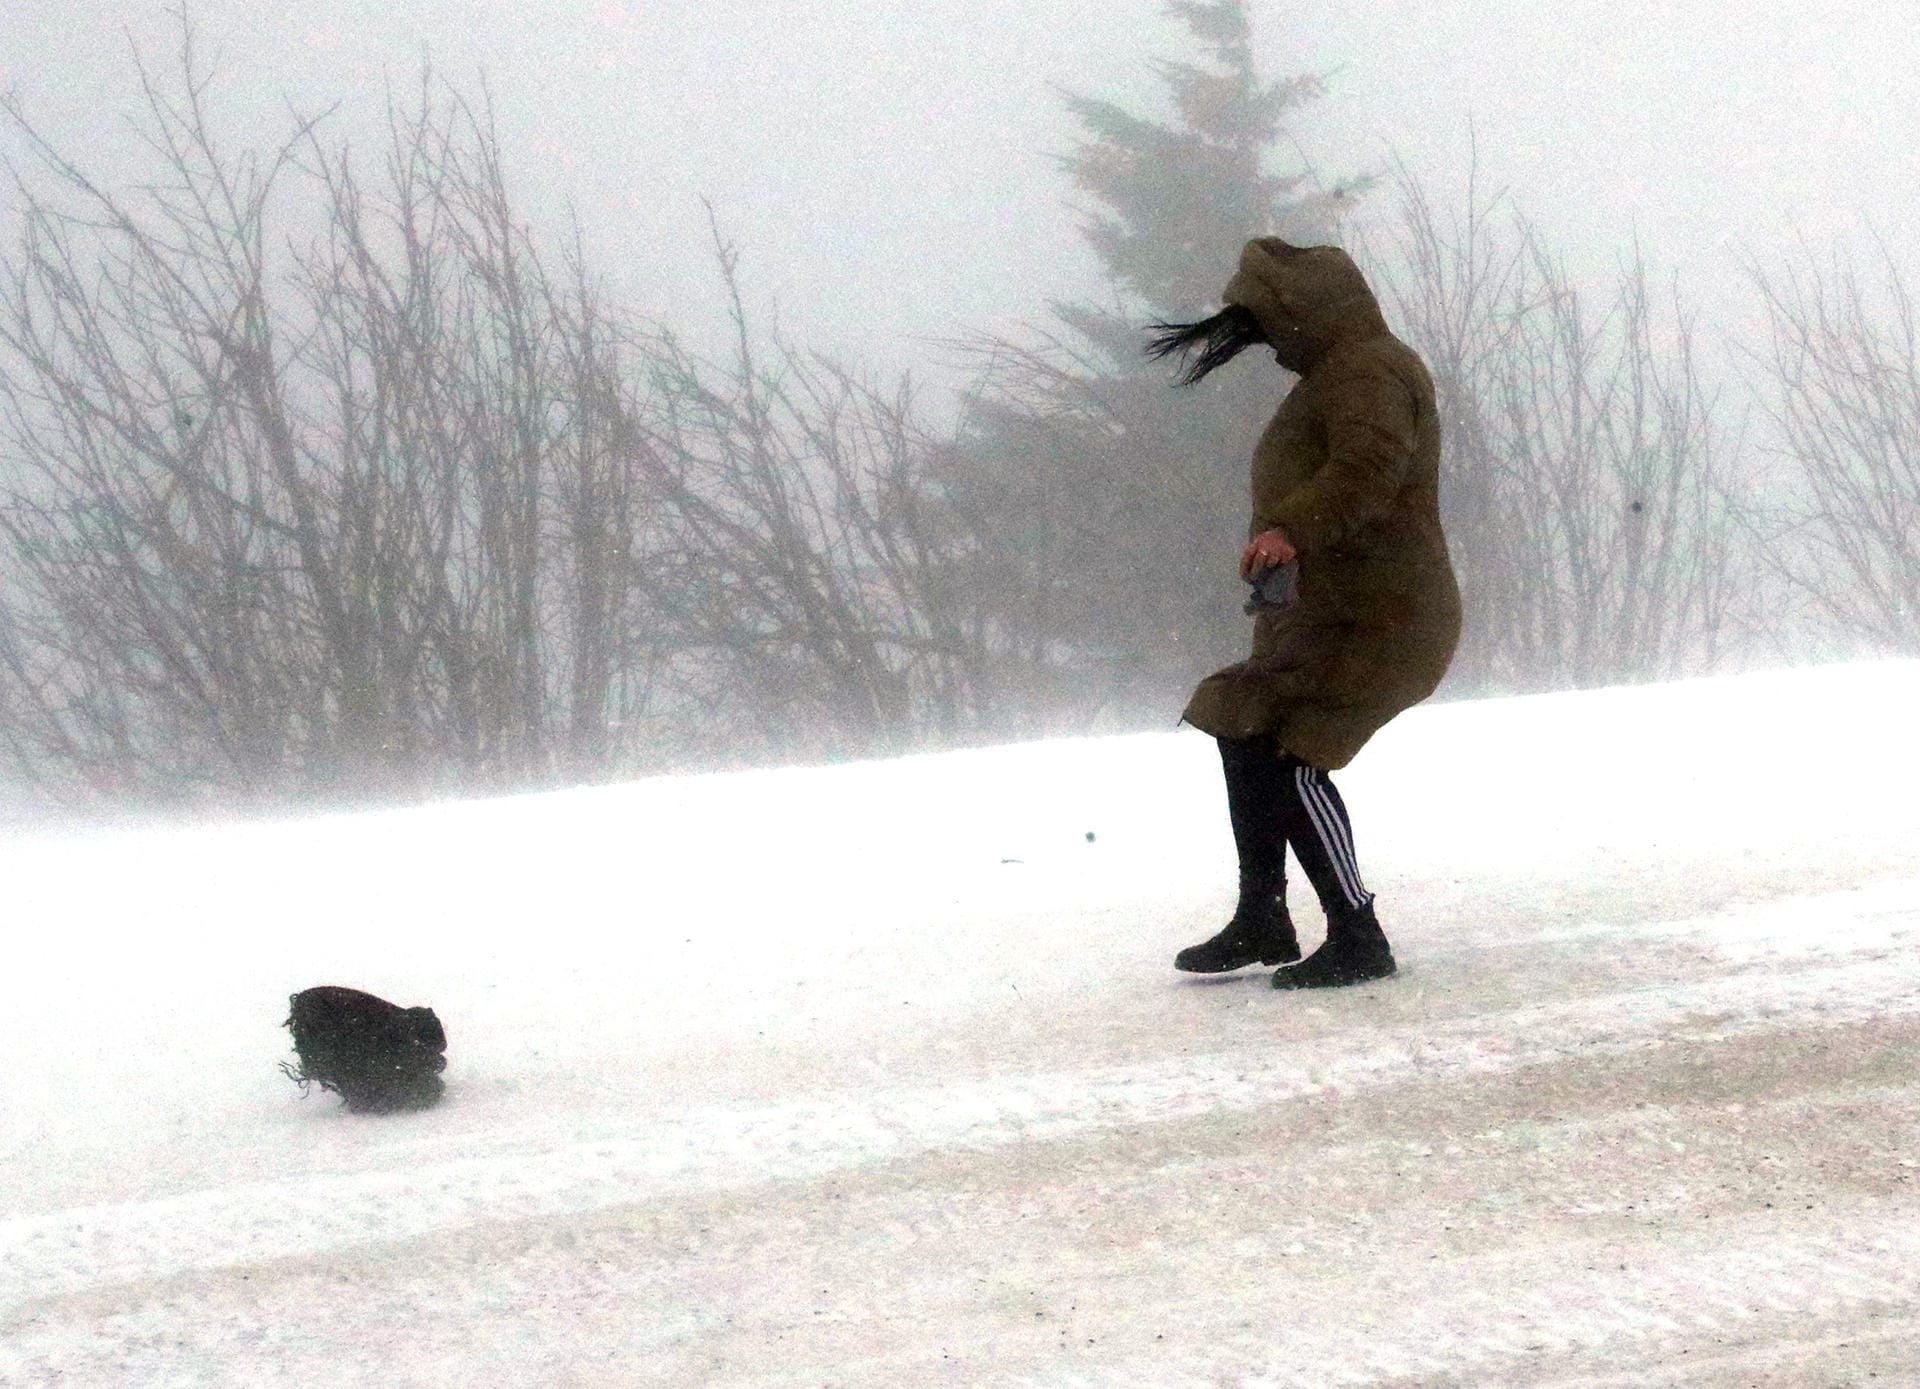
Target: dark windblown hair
[[1218, 340]]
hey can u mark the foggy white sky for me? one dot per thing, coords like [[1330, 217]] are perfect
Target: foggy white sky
[[883, 167]]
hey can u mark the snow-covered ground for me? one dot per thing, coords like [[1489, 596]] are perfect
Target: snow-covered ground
[[879, 1075]]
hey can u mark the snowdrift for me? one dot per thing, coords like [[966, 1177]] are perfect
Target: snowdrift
[[879, 1074]]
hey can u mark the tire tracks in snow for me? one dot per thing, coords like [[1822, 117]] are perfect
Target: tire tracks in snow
[[1520, 1320], [1848, 960]]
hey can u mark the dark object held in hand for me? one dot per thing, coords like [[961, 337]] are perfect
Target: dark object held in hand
[[1275, 586], [378, 1056]]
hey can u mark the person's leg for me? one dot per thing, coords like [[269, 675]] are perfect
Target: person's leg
[[1260, 932], [1314, 819], [1252, 769]]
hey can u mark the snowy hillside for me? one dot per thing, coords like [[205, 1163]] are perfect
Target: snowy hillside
[[879, 1075]]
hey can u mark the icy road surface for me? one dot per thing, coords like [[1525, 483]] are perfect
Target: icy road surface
[[879, 1075]]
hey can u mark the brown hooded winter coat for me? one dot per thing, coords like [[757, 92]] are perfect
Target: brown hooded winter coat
[[1349, 471]]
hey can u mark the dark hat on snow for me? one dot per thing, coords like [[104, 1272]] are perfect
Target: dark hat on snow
[[376, 1055]]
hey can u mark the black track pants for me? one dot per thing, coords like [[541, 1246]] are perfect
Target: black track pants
[[1253, 805], [1272, 797]]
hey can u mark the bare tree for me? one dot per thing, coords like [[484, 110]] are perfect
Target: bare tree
[[1588, 484], [391, 506], [1842, 373], [820, 589], [345, 513], [147, 422]]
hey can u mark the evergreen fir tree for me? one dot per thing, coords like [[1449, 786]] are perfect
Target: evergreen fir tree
[[1176, 200], [1126, 499]]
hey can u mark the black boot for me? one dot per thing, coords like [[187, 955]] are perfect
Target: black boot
[[1355, 951], [1254, 937], [1261, 931]]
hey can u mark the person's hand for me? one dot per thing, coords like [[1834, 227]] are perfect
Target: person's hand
[[1267, 550]]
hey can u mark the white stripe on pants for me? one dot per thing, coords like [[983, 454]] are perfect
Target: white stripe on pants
[[1336, 836]]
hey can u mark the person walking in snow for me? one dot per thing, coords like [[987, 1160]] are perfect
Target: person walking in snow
[[1356, 610]]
